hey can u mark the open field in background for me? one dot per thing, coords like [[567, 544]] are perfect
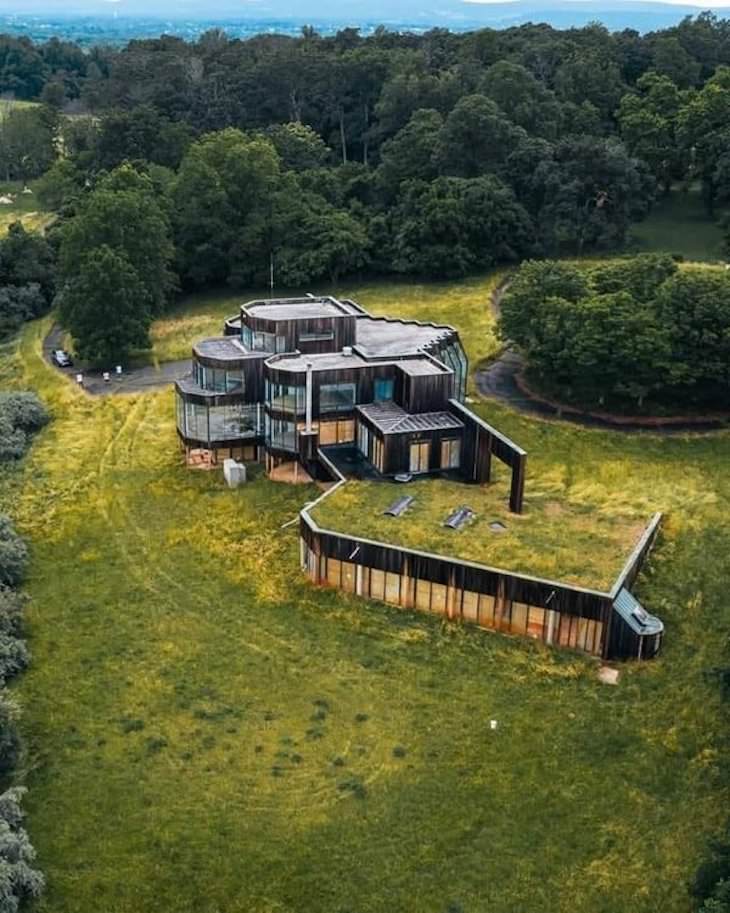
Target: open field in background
[[208, 732], [679, 224], [463, 304], [25, 208], [7, 105]]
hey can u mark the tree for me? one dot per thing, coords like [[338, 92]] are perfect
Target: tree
[[452, 225], [26, 143], [225, 185], [592, 191], [649, 127], [535, 283], [143, 134], [476, 138], [720, 900], [527, 102], [695, 307], [640, 276], [105, 307], [123, 214], [671, 60], [409, 154], [299, 146], [704, 132], [26, 258]]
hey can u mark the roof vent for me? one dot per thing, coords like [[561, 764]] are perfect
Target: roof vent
[[347, 350]]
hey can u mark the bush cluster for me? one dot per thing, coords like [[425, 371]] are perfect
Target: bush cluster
[[21, 415], [623, 331]]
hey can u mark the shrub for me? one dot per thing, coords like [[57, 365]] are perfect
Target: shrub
[[12, 605], [19, 881], [13, 554], [9, 738], [21, 415]]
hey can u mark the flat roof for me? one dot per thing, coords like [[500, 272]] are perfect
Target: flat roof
[[386, 336], [422, 366], [224, 347], [554, 539], [296, 309], [328, 361], [391, 419]]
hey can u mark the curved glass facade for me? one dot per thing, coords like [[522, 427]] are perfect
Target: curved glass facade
[[212, 424], [454, 357], [217, 380], [286, 397]]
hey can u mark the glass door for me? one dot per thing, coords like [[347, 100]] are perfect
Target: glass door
[[420, 453]]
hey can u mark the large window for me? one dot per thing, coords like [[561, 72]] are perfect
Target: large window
[[258, 341], [218, 380], [218, 423], [285, 397], [340, 431], [453, 356], [451, 454], [337, 397], [281, 434]]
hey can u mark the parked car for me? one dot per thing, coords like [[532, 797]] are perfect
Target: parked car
[[61, 358]]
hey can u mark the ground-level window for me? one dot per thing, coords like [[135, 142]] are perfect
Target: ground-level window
[[378, 454], [451, 454], [419, 456], [341, 431]]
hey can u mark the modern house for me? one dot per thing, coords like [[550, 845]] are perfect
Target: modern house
[[320, 385]]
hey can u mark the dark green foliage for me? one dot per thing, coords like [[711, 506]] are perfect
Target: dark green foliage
[[27, 277], [26, 143], [623, 331], [453, 225], [105, 307], [123, 215], [13, 554], [19, 880]]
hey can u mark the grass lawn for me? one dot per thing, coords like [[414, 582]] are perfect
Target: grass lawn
[[464, 305], [207, 732], [585, 541], [679, 224]]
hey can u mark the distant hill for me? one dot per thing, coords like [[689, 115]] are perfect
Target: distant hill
[[119, 20]]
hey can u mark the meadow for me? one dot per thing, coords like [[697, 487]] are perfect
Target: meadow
[[207, 732], [24, 208], [679, 224], [199, 315]]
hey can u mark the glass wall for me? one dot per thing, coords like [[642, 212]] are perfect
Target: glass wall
[[453, 357], [217, 380], [237, 420], [217, 423], [337, 397], [341, 431], [281, 434], [285, 397], [547, 625], [259, 341]]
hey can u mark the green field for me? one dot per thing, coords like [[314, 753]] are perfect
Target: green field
[[24, 208], [207, 732], [679, 224]]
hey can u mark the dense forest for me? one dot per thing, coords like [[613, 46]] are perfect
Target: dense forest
[[312, 157]]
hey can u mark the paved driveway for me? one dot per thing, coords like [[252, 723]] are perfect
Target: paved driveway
[[132, 380]]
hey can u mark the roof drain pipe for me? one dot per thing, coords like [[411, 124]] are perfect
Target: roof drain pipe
[[308, 397]]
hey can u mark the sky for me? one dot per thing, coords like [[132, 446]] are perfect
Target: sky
[[293, 8]]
